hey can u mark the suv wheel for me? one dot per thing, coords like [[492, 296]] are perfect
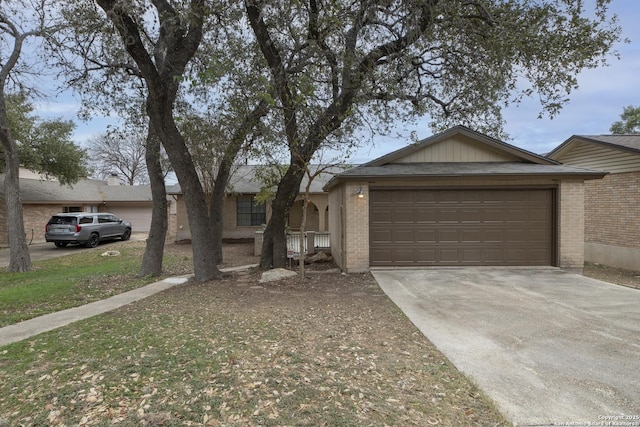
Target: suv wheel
[[126, 235], [93, 241]]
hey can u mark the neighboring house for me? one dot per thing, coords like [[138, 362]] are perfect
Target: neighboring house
[[42, 198], [242, 216], [458, 198], [612, 205]]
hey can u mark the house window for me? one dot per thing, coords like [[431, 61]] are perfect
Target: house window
[[71, 209], [249, 212]]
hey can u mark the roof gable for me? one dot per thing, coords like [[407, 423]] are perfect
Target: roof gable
[[460, 145]]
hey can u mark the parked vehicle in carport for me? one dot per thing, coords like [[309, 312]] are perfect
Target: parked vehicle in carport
[[84, 228]]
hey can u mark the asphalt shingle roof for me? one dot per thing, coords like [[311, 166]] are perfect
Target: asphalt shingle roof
[[244, 180], [86, 191], [627, 141], [454, 169]]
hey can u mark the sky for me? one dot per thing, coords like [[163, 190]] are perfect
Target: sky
[[602, 94]]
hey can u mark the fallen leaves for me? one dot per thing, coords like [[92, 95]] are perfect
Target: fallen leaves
[[330, 351]]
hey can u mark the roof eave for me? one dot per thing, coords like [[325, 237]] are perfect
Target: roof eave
[[561, 175]]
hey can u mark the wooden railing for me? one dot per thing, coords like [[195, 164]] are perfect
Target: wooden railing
[[314, 241]]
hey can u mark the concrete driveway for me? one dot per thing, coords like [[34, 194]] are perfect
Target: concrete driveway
[[39, 251], [549, 347]]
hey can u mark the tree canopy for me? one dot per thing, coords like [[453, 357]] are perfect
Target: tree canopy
[[45, 146], [337, 67], [630, 123], [299, 75]]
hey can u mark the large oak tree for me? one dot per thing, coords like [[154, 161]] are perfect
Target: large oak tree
[[162, 66], [41, 146], [336, 65]]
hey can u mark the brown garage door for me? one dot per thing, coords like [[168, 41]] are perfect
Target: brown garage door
[[461, 227]]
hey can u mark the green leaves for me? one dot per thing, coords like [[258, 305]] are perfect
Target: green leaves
[[45, 146], [630, 123]]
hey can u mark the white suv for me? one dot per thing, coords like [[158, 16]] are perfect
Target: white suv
[[85, 228]]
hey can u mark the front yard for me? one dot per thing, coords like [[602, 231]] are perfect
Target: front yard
[[332, 350]]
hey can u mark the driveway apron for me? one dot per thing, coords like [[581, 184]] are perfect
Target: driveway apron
[[549, 347]]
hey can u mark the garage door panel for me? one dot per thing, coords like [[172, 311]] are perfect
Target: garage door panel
[[426, 256], [426, 215], [401, 215], [381, 216], [403, 236], [381, 197], [407, 197], [381, 236], [471, 235], [471, 255], [423, 235], [462, 227], [448, 235]]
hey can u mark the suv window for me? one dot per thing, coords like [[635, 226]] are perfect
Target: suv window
[[86, 220], [63, 220], [102, 219]]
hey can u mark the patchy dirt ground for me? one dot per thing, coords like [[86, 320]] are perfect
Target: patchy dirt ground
[[619, 276], [331, 350], [236, 254]]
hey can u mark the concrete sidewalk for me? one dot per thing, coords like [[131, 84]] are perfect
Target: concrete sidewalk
[[28, 328]]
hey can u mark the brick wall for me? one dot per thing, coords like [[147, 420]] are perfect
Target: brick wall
[[356, 228], [35, 219], [612, 206], [571, 224]]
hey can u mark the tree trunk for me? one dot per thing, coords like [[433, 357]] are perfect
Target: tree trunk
[[202, 241], [274, 247], [175, 47], [154, 251], [250, 121], [19, 257], [215, 208]]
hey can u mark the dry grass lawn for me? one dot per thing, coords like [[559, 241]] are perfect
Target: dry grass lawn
[[332, 350]]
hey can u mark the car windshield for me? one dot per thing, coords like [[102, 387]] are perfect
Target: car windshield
[[63, 220]]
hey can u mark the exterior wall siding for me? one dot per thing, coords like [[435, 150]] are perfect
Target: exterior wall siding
[[456, 149], [598, 157]]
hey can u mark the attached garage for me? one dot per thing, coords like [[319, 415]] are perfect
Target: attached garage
[[459, 227], [458, 198], [139, 217]]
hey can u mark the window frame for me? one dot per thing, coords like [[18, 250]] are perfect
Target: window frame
[[253, 214]]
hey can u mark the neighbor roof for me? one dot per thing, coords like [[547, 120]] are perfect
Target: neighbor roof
[[83, 191], [629, 142], [244, 179]]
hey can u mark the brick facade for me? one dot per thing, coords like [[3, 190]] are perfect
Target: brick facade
[[35, 219], [571, 225], [612, 207], [356, 228]]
